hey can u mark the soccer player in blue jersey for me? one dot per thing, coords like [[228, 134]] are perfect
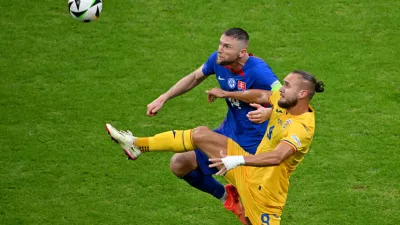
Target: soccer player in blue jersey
[[235, 70]]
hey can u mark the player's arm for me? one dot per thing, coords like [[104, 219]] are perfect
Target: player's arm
[[297, 139], [186, 83], [182, 86], [250, 96], [273, 158]]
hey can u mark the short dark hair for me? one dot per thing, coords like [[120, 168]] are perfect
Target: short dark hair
[[316, 86], [237, 33]]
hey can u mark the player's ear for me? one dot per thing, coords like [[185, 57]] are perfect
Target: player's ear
[[303, 94], [242, 52]]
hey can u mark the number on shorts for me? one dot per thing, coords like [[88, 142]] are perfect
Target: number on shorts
[[265, 219]]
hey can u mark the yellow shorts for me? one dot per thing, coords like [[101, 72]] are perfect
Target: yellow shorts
[[237, 176]]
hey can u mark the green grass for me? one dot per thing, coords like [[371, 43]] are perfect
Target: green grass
[[62, 80]]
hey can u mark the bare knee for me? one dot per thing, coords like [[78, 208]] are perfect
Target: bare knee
[[199, 134], [210, 142], [183, 163]]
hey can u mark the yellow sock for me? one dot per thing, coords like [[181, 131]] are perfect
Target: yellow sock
[[175, 141]]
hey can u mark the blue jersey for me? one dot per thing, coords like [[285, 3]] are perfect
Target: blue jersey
[[255, 74]]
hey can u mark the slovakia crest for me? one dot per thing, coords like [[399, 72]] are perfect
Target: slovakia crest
[[241, 85], [231, 83]]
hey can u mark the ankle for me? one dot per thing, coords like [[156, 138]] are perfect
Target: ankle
[[223, 198]]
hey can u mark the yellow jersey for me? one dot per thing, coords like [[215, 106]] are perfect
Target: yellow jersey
[[269, 185]]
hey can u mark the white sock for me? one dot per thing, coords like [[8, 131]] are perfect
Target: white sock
[[223, 198]]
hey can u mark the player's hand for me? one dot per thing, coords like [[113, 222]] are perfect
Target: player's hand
[[226, 163], [259, 115], [217, 162], [210, 98], [215, 93], [155, 106]]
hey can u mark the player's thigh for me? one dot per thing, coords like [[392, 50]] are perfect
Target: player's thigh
[[236, 176], [210, 142]]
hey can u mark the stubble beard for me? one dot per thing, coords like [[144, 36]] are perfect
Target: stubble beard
[[288, 103], [225, 62]]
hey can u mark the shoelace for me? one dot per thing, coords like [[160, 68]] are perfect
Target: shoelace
[[128, 132]]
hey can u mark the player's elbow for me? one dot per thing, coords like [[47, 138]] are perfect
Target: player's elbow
[[270, 161], [277, 159], [198, 77], [258, 96], [263, 98]]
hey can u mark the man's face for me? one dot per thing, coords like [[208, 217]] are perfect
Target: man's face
[[228, 50], [289, 91]]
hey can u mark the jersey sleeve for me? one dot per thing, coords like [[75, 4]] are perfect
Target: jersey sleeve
[[298, 137], [208, 66], [266, 79]]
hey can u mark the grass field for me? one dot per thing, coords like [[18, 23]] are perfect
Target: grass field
[[62, 80]]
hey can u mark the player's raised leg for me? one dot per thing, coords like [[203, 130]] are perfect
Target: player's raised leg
[[181, 141], [174, 141], [125, 139], [210, 142]]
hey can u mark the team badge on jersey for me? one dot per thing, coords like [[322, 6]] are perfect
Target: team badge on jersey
[[289, 121], [296, 139], [231, 83], [241, 85]]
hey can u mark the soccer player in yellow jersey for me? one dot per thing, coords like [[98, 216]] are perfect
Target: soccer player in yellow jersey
[[263, 182], [262, 179]]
